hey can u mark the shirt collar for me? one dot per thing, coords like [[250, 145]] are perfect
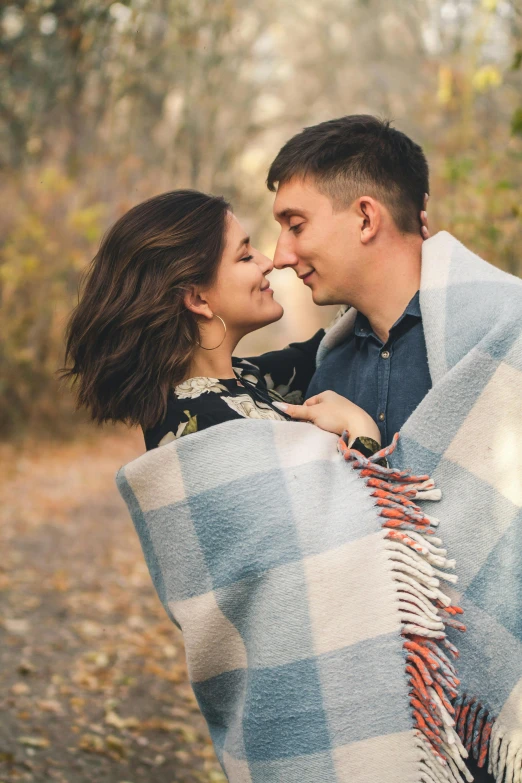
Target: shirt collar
[[413, 307], [362, 326]]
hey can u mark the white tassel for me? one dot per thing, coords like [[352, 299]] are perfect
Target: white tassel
[[431, 543], [444, 714], [418, 631], [408, 616], [494, 749], [431, 494], [456, 764], [417, 574], [406, 587], [400, 576], [453, 578], [410, 557], [418, 563], [406, 597]]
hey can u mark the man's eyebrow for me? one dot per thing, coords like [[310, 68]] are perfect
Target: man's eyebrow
[[290, 212], [244, 241]]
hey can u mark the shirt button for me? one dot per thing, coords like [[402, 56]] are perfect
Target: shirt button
[[385, 354], [381, 417]]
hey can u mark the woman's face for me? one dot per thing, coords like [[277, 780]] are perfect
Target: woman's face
[[241, 293]]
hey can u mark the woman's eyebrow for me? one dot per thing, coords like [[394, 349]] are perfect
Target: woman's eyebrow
[[244, 241]]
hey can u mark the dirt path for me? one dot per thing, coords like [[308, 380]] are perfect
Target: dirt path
[[93, 684]]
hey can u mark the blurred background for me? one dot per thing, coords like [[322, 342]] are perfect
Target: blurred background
[[103, 104]]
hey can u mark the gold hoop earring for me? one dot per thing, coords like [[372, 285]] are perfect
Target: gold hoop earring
[[222, 341]]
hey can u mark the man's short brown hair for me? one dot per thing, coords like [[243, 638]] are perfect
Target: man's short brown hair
[[358, 155]]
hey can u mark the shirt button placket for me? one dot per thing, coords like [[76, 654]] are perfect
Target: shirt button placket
[[383, 395]]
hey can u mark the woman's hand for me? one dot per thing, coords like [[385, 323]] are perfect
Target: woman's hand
[[334, 413], [425, 231]]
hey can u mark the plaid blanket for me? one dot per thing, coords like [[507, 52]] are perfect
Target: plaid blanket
[[308, 584], [467, 434]]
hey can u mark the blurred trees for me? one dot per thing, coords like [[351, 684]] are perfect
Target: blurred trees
[[103, 104]]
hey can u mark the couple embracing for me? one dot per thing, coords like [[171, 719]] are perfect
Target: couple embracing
[[350, 593]]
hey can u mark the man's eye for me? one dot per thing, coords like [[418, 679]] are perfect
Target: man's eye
[[296, 229], [247, 258]]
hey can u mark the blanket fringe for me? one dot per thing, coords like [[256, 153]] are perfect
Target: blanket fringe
[[481, 733], [419, 563]]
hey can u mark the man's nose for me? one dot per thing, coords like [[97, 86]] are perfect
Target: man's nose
[[284, 256]]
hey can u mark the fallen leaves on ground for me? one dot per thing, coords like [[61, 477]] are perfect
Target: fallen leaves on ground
[[93, 682]]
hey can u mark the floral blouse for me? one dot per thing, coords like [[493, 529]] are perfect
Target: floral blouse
[[277, 376]]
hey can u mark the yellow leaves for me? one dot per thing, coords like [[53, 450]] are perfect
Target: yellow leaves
[[60, 581], [445, 86], [20, 689], [92, 743], [50, 705], [487, 77], [16, 627], [34, 742], [115, 744], [87, 222], [109, 712], [215, 776], [77, 703], [88, 629], [114, 720], [187, 733], [54, 181], [174, 674], [490, 5], [98, 660]]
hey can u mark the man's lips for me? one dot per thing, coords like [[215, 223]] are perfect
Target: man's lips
[[306, 276]]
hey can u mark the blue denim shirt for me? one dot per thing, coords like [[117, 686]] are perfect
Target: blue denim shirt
[[387, 380]]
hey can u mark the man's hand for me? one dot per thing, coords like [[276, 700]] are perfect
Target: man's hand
[[334, 413], [424, 219]]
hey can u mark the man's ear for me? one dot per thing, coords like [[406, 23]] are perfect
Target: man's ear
[[370, 217], [196, 303]]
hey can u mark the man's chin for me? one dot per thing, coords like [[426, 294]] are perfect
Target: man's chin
[[323, 297]]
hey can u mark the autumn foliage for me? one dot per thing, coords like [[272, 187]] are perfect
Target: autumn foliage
[[107, 103]]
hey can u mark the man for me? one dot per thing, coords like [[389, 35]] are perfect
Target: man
[[348, 200], [348, 196]]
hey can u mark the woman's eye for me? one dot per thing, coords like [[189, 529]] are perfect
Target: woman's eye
[[247, 258], [296, 229]]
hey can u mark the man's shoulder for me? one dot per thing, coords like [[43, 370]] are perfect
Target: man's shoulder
[[448, 262]]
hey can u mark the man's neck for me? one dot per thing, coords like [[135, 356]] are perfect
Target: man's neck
[[394, 282]]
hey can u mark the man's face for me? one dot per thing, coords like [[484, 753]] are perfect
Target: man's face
[[321, 245]]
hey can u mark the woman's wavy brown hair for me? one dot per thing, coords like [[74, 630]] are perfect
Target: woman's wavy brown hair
[[131, 338]]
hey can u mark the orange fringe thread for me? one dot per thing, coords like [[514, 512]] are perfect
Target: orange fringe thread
[[425, 612]]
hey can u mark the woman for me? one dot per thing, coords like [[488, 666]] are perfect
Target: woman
[[174, 287]]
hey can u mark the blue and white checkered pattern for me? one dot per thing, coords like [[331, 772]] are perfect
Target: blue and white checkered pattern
[[268, 551], [467, 434]]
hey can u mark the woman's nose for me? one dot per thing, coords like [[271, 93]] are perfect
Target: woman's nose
[[264, 262]]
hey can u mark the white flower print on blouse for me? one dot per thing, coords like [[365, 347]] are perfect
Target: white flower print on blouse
[[169, 437], [245, 406], [195, 387], [283, 390]]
